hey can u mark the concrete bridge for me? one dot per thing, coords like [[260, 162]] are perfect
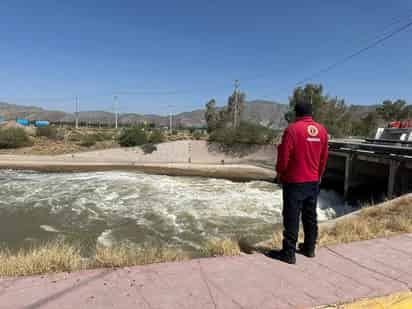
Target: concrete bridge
[[353, 164]]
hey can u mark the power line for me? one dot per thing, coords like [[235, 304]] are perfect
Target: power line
[[384, 32], [379, 40], [357, 53], [399, 19], [173, 92]]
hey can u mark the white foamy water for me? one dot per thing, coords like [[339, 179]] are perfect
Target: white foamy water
[[49, 228], [109, 207]]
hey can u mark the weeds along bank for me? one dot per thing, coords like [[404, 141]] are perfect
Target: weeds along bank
[[57, 256]]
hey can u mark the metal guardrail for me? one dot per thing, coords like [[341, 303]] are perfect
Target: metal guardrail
[[375, 148], [388, 141]]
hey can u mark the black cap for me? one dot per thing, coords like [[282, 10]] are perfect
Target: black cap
[[303, 108]]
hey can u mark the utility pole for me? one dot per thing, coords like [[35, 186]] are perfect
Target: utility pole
[[115, 111], [235, 118], [170, 120], [76, 116]]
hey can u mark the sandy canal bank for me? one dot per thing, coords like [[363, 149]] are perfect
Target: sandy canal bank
[[181, 158], [235, 172]]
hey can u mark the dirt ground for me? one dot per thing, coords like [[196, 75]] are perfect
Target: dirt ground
[[45, 146], [69, 141]]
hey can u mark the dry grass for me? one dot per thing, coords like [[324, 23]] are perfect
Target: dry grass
[[52, 257], [221, 247], [58, 256], [389, 219], [123, 256]]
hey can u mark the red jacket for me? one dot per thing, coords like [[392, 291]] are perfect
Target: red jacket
[[303, 153]]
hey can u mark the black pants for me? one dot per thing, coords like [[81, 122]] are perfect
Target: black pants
[[299, 198]]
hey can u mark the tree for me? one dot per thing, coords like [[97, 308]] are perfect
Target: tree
[[223, 118], [246, 133], [366, 127], [331, 112], [228, 116], [235, 107], [211, 116], [394, 111], [310, 93], [335, 116], [225, 125]]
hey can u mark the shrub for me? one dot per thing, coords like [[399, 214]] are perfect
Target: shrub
[[156, 137], [13, 138], [225, 136], [75, 136], [60, 134], [197, 135], [250, 133], [104, 136], [149, 148], [88, 140], [134, 136], [49, 132], [246, 133]]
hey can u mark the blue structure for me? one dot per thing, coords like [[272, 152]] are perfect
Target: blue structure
[[2, 119], [23, 122], [41, 123]]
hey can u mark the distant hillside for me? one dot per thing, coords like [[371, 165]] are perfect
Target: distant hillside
[[12, 111], [263, 112], [266, 113], [360, 111]]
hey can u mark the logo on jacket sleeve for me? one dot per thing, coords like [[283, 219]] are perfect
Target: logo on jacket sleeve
[[313, 131]]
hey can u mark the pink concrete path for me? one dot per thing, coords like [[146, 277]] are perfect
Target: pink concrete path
[[338, 274]]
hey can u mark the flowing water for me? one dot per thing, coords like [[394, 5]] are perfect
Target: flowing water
[[112, 207]]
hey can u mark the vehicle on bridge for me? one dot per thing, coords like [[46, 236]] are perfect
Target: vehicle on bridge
[[381, 164], [397, 133]]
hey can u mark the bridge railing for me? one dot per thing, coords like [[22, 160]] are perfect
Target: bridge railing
[[375, 148]]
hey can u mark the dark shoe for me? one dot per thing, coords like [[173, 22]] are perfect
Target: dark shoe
[[310, 253], [282, 256]]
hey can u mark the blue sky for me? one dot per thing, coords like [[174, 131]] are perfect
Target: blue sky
[[182, 53]]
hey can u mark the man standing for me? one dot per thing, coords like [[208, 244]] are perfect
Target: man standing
[[301, 162]]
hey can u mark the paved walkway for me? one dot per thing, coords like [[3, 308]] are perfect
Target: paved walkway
[[338, 274]]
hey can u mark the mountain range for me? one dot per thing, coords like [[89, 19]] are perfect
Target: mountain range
[[267, 113]]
